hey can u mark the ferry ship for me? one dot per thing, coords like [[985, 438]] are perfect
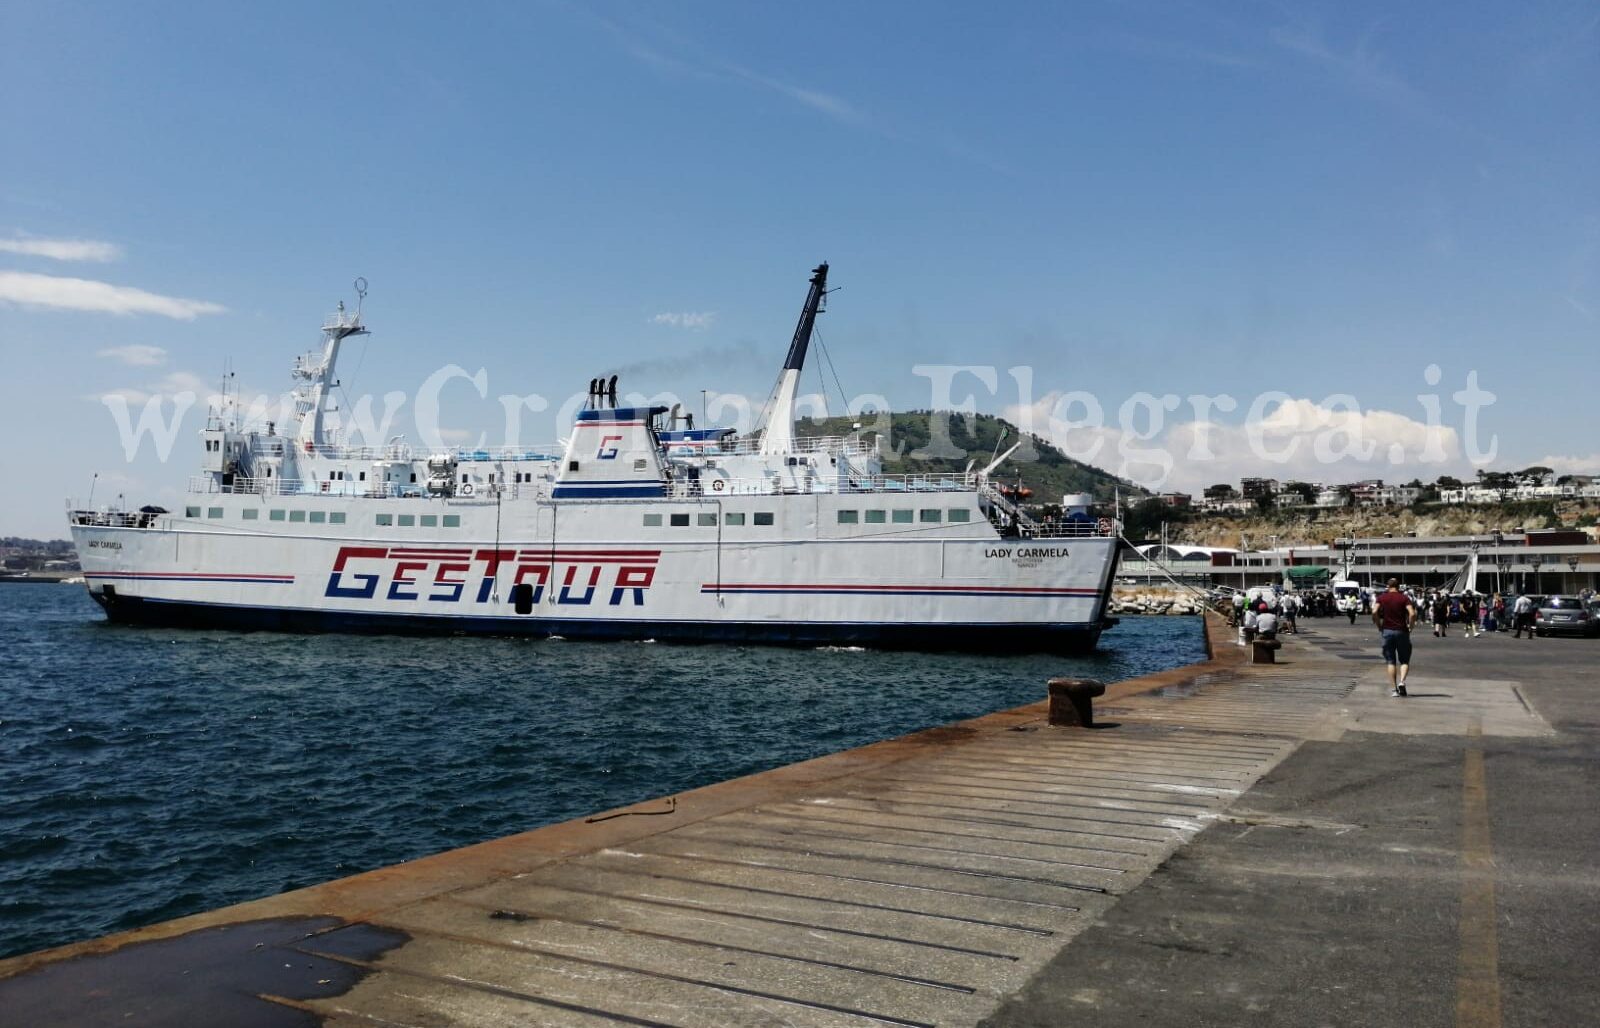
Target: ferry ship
[[640, 526]]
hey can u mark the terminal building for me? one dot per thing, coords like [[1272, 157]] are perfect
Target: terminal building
[[1540, 562]]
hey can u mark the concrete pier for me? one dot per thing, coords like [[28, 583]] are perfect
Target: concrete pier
[[1230, 844]]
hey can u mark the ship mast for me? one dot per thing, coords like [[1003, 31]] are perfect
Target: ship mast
[[315, 375], [777, 417]]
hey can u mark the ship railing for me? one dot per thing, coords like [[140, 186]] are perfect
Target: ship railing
[[208, 484], [811, 483], [277, 447], [112, 518], [850, 445], [342, 318], [1066, 528], [925, 483]]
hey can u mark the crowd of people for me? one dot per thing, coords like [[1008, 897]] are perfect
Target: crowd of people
[[1476, 613], [1264, 616], [1265, 611]]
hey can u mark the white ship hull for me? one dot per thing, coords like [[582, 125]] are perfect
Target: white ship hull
[[643, 528], [802, 580]]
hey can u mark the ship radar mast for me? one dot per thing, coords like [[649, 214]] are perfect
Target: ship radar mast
[[777, 417], [314, 372]]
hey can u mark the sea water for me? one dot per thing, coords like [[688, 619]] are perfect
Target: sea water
[[146, 774]]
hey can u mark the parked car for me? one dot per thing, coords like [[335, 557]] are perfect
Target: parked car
[[1565, 615]]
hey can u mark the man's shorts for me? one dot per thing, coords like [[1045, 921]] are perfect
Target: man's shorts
[[1396, 646]]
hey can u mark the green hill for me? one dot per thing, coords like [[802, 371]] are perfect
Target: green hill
[[906, 451]]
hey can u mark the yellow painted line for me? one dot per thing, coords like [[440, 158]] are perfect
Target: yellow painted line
[[1478, 973]]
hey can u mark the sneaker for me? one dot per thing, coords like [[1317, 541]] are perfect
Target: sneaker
[[1395, 691], [1400, 690]]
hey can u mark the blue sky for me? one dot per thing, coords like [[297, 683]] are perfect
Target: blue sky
[[1170, 198]]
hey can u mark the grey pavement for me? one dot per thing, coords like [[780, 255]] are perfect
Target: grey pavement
[[1352, 885]]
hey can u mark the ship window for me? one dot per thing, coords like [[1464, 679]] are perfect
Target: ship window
[[269, 472], [318, 517], [849, 517], [276, 515], [877, 517], [572, 465], [297, 515], [491, 478], [250, 514], [452, 521], [413, 476], [382, 520], [465, 478], [733, 518], [960, 514], [652, 521], [429, 521], [336, 518], [763, 517], [900, 517], [931, 515], [407, 520], [213, 512], [680, 521], [191, 512], [707, 520], [363, 476], [639, 465]]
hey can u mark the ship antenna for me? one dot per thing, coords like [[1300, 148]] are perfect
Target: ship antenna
[[361, 296]]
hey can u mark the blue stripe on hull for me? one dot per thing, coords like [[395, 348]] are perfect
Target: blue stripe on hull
[[975, 637]]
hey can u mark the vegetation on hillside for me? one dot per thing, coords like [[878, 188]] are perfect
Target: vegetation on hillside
[[1318, 526], [927, 442]]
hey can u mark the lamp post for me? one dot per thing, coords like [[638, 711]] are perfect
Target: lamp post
[[1502, 568], [1534, 562], [1472, 562], [1572, 562]]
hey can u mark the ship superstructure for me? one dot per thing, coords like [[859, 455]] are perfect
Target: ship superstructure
[[640, 526]]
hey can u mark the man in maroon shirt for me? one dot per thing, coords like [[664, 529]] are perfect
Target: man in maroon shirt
[[1394, 615]]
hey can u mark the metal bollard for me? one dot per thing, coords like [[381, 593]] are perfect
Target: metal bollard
[[1072, 700], [1265, 651]]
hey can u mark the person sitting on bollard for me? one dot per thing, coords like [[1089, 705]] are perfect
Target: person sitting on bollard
[[1266, 625]]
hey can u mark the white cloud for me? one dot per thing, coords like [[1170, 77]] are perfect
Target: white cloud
[[833, 106], [135, 355], [696, 320], [1360, 68], [81, 294], [1291, 439], [171, 385], [1589, 465], [61, 249]]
